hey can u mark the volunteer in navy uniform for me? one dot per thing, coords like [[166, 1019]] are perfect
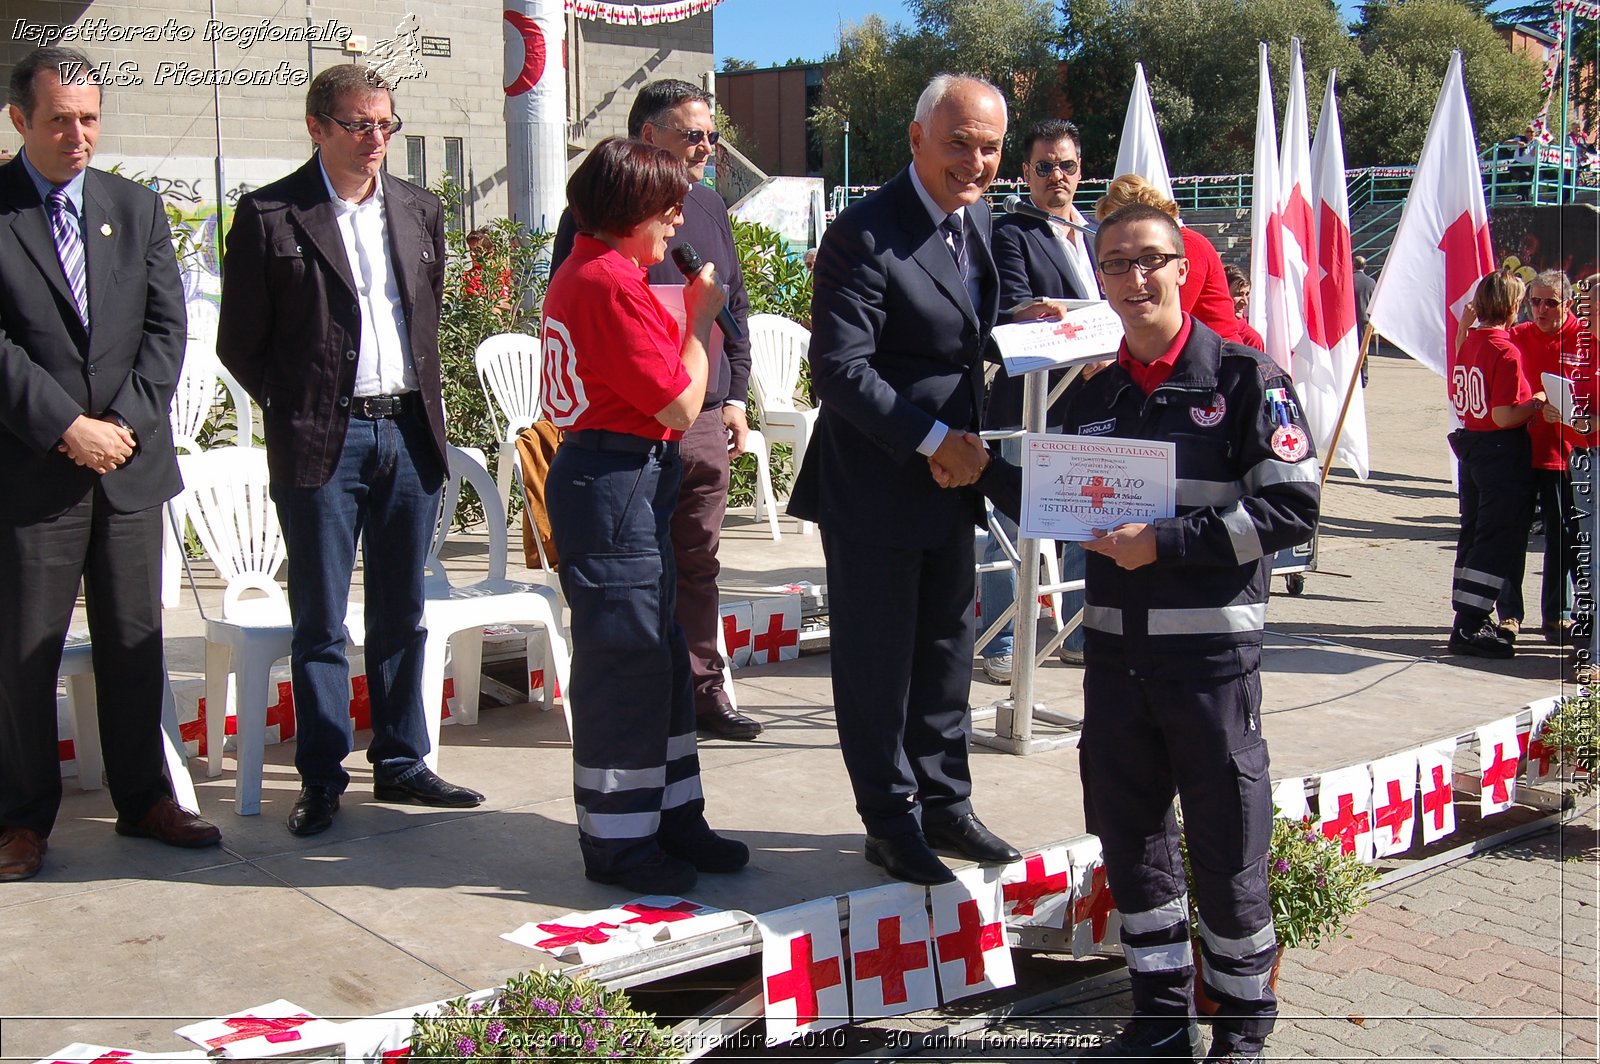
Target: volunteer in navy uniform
[[624, 382], [1175, 614]]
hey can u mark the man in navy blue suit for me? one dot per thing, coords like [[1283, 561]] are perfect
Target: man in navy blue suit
[[906, 294]]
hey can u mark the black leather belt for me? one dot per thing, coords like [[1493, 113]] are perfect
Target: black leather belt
[[378, 407], [621, 442]]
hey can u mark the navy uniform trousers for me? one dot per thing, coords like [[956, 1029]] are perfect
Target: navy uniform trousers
[[1496, 495], [635, 764], [1149, 734]]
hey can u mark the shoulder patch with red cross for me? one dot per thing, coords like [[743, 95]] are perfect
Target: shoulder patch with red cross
[[1290, 443]]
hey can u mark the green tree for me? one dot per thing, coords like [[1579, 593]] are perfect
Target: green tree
[[1585, 83], [872, 85], [731, 64], [1408, 48]]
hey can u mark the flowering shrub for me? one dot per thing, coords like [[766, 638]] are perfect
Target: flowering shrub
[[544, 1016], [1574, 731]]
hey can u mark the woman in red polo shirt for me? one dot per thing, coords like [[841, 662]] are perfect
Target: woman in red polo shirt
[[625, 382], [1492, 400]]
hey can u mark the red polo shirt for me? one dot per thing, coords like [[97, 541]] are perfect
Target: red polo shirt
[[1150, 377], [1555, 353]]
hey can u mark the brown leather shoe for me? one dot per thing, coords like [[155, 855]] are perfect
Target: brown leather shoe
[[169, 822], [21, 853]]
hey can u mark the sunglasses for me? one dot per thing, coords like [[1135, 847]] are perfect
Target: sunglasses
[[1045, 167], [387, 128], [1541, 301], [695, 136]]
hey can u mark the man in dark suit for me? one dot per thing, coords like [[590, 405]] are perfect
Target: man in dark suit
[[906, 294], [91, 341], [331, 287], [676, 115], [1364, 285], [1037, 260]]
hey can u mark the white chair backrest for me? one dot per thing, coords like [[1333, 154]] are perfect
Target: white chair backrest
[[778, 349], [508, 369], [203, 318], [468, 465], [199, 388], [226, 498]]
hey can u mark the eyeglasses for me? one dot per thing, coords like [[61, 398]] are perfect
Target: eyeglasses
[[387, 128], [1541, 301], [1045, 167], [1146, 263], [695, 136]]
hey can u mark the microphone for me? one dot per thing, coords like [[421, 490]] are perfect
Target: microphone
[[1018, 205], [690, 265]]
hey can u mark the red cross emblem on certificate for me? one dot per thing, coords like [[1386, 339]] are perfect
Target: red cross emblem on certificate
[[1098, 491]]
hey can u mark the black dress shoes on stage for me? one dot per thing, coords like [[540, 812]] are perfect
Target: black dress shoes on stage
[[313, 811], [967, 836], [426, 787], [722, 721], [907, 858]]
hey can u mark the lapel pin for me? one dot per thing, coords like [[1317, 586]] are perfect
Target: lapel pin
[[105, 228]]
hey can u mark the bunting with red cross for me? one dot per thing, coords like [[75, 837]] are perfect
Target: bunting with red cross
[[736, 621], [803, 970], [891, 952], [675, 918], [1436, 790], [775, 630], [1394, 803], [591, 936], [1543, 761], [1499, 758], [1289, 799], [1344, 806], [85, 1053], [969, 934], [1037, 890], [1094, 920], [269, 1030]]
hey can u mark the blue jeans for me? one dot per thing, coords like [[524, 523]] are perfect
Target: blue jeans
[[384, 493], [998, 590]]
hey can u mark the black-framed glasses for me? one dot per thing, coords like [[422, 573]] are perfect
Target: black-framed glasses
[[387, 128], [1147, 263], [1046, 167], [1541, 301], [695, 136]]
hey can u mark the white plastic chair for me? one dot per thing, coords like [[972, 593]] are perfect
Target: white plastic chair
[[77, 669], [508, 370], [765, 501], [456, 615], [778, 349]]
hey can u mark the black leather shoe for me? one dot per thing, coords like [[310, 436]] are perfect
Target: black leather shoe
[[660, 873], [313, 810], [722, 721], [705, 849], [907, 857], [967, 836], [426, 787], [1148, 1039], [1484, 642]]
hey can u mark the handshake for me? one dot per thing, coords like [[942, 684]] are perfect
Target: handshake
[[959, 461]]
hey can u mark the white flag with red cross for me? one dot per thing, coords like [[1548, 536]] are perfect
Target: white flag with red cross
[[891, 951], [969, 934], [1139, 151], [1543, 760], [1344, 807], [1332, 377], [1269, 297], [1037, 890], [1295, 207], [1436, 777], [736, 622], [269, 1030], [1441, 246], [591, 936], [802, 970], [1394, 803], [1289, 799], [774, 629], [665, 916], [86, 1053], [1499, 757], [1096, 924]]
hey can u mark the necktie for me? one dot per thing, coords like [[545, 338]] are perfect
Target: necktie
[[958, 244], [69, 248]]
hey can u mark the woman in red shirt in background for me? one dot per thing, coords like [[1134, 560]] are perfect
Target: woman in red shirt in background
[[1548, 343], [1585, 480], [624, 384], [1493, 402]]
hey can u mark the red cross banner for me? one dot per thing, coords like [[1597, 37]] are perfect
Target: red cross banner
[[891, 952], [1289, 799], [1436, 778], [803, 970], [676, 918], [84, 1053], [1344, 804], [969, 934], [1037, 890], [591, 936], [775, 629], [1394, 803], [1499, 758], [269, 1030], [386, 1039], [1269, 302], [1095, 922], [1299, 230], [736, 621], [1543, 761]]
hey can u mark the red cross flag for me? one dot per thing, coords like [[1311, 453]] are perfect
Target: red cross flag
[[969, 934], [1139, 151], [802, 970], [891, 951], [1289, 799], [1543, 761], [1037, 891], [1344, 802], [1498, 761], [591, 936], [736, 622], [1436, 773], [269, 1030], [1441, 246], [84, 1053], [674, 918], [1095, 922], [775, 628], [1394, 803], [1299, 231], [1269, 302]]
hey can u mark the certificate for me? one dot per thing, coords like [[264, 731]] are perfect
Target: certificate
[[1090, 331], [1074, 485]]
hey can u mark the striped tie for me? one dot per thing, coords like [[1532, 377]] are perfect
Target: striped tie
[[69, 247]]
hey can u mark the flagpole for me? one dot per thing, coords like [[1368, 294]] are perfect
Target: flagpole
[[1349, 394]]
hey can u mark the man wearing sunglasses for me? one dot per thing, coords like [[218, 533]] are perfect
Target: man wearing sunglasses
[[331, 286]]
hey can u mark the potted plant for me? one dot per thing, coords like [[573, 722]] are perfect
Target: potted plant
[[1315, 890], [1572, 731], [543, 1015]]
